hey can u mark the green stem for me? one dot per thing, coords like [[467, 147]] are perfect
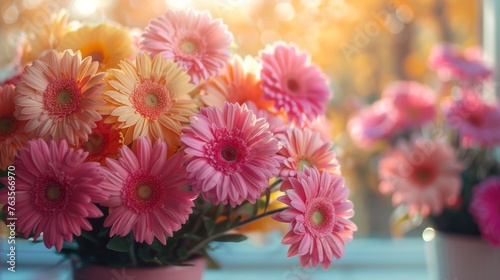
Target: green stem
[[207, 240], [133, 259]]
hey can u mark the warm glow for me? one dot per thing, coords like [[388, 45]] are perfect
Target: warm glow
[[428, 234], [85, 7]]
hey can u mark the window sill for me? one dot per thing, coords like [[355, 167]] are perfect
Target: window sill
[[365, 258]]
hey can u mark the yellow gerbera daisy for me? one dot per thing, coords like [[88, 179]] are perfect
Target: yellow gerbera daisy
[[150, 98], [106, 43], [44, 36]]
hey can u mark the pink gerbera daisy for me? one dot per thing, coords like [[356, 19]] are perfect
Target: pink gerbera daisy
[[319, 217], [277, 125], [485, 208], [146, 194], [192, 39], [293, 83], [476, 121], [413, 103], [12, 136], [55, 192], [373, 123], [424, 175], [231, 154], [450, 63], [304, 147], [59, 96]]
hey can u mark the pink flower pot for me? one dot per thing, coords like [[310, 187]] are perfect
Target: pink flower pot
[[456, 257], [97, 272]]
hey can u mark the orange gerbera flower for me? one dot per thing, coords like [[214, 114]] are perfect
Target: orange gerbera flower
[[239, 83], [12, 136], [106, 43]]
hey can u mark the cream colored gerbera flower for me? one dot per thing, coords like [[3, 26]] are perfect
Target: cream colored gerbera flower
[[150, 98], [106, 43], [44, 36], [58, 96]]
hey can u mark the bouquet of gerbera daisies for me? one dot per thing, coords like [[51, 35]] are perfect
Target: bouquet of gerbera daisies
[[440, 161], [141, 148]]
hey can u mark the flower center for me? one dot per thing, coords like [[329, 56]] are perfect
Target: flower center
[[475, 119], [62, 97], [51, 193], [151, 99], [188, 46], [228, 152], [142, 192], [303, 163], [292, 85], [97, 56], [423, 175], [96, 50], [7, 126], [320, 216], [95, 144]]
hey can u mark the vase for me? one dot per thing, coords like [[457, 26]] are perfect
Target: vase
[[461, 257], [97, 272]]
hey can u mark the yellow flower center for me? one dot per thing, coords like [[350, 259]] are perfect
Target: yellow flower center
[[144, 192], [151, 99], [317, 218], [303, 163], [189, 46]]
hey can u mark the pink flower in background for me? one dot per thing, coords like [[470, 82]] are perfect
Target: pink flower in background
[[451, 64], [476, 121], [304, 147], [230, 154], [293, 83], [12, 135], [277, 124], [372, 123], [55, 192], [59, 97], [413, 103], [424, 175], [485, 208], [319, 217], [192, 39], [146, 194]]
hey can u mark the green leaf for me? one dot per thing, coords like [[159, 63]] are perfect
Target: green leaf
[[119, 244], [192, 236], [209, 225], [230, 238], [147, 254], [182, 253], [255, 209]]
